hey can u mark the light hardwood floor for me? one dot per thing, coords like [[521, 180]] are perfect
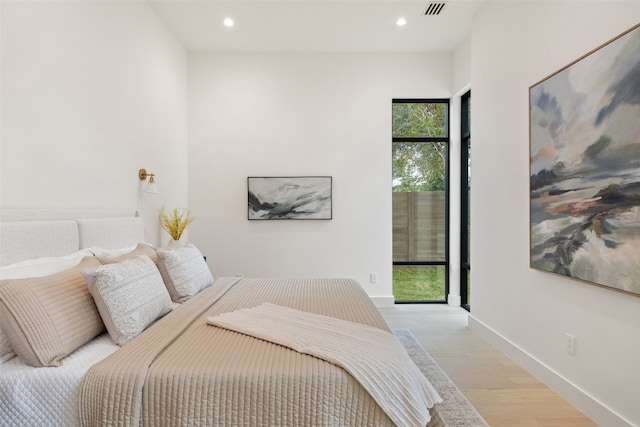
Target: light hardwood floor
[[503, 392]]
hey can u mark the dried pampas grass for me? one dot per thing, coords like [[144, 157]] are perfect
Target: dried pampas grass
[[175, 222]]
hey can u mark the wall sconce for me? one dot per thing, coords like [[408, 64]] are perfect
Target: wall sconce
[[151, 186]]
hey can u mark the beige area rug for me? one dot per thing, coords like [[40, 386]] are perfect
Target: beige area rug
[[455, 410]]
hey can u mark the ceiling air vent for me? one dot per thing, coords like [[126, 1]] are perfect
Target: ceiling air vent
[[434, 8]]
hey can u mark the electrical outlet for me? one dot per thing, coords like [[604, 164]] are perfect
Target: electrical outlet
[[373, 278], [571, 344]]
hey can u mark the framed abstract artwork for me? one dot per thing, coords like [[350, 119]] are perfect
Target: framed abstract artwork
[[585, 167], [295, 197]]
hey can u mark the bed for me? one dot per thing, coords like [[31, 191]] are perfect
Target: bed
[[186, 366]]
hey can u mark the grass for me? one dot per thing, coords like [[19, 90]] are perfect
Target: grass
[[418, 283]]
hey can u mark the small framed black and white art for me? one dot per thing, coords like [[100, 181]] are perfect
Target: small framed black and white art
[[293, 197]]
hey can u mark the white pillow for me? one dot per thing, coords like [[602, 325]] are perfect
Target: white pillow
[[111, 253], [129, 295], [44, 266], [184, 271]]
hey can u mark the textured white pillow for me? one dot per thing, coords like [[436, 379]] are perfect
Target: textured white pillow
[[129, 295], [42, 266], [184, 271]]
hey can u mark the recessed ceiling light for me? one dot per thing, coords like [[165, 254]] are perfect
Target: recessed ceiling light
[[228, 22], [401, 22]]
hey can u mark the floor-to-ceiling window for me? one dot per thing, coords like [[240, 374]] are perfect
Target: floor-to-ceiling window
[[420, 144], [465, 214]]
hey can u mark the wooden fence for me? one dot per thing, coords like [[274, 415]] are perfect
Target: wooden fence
[[419, 226]]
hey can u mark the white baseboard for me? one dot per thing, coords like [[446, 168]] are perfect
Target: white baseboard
[[594, 409], [383, 301]]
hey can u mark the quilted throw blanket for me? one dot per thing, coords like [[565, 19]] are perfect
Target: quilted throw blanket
[[374, 357]]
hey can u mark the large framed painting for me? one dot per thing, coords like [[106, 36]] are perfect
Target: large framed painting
[[295, 197], [585, 167]]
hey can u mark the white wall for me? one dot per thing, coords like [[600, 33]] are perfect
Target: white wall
[[300, 114], [527, 312], [90, 93], [462, 66]]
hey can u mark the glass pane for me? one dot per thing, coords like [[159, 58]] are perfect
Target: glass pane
[[465, 125], [465, 279], [419, 166], [468, 213], [419, 226], [418, 283], [419, 201], [469, 115], [469, 287], [419, 120]]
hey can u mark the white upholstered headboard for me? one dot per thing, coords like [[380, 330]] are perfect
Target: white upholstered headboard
[[33, 233]]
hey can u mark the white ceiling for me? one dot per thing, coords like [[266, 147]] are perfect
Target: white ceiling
[[316, 25]]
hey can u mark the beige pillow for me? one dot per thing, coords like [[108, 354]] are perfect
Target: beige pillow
[[141, 249], [6, 351], [111, 253], [38, 267], [130, 295], [46, 318], [184, 271]]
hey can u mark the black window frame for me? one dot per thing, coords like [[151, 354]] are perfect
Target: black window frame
[[446, 140]]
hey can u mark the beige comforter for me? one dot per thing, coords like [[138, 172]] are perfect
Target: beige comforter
[[371, 355], [182, 371]]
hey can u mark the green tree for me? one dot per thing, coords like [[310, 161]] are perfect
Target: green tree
[[419, 120], [419, 166]]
